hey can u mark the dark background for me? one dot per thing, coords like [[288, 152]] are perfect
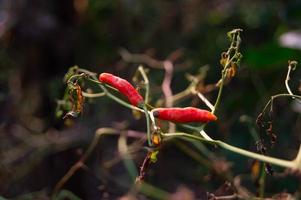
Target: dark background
[[40, 40]]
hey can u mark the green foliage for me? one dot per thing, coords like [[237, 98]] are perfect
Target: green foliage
[[268, 56]]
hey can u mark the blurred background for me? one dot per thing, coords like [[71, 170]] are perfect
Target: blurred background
[[41, 40]]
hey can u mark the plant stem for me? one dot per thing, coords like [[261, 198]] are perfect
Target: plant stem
[[93, 95], [276, 96], [146, 82], [205, 100], [180, 134], [268, 159], [180, 95], [113, 97], [149, 140], [297, 160], [287, 79], [220, 91]]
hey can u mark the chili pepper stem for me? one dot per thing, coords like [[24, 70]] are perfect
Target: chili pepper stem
[[146, 97], [149, 139], [146, 82], [118, 100]]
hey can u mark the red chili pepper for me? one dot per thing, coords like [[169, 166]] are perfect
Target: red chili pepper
[[184, 115], [123, 86]]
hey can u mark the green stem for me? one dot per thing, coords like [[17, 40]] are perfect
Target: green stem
[[275, 161], [220, 91], [93, 95], [146, 82], [297, 160], [149, 139], [268, 159], [180, 134], [92, 74], [77, 76], [228, 63], [113, 97]]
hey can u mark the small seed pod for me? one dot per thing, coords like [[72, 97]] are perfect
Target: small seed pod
[[184, 115], [124, 87]]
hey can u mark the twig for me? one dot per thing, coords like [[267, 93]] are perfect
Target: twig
[[291, 66], [206, 101], [180, 134], [145, 165], [151, 62], [93, 95], [149, 139], [83, 159], [234, 46], [140, 58], [217, 101], [146, 82], [270, 102], [204, 134], [181, 95], [168, 66]]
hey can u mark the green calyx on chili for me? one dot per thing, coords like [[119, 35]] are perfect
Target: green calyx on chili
[[124, 87], [184, 115]]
